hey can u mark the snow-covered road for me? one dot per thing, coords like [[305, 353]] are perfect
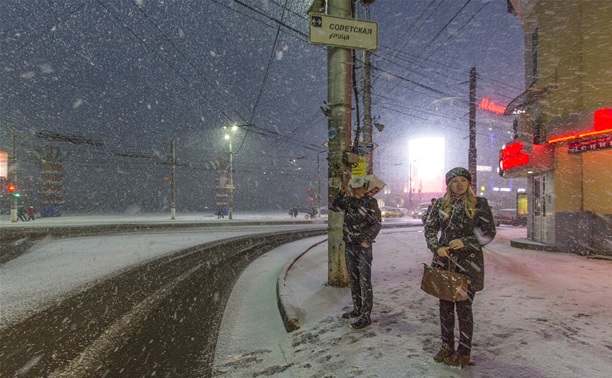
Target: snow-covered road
[[54, 268]]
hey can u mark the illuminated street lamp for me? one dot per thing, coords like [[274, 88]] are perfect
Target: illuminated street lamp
[[230, 186]]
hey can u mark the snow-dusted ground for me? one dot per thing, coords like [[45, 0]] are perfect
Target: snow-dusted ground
[[541, 314], [54, 268], [75, 219]]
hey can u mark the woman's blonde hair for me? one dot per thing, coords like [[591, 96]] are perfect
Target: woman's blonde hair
[[469, 203]]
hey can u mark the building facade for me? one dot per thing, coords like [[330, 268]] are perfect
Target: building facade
[[562, 137]]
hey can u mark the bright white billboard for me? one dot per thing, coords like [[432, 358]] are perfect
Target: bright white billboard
[[426, 157]]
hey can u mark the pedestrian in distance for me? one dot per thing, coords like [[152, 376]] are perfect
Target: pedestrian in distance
[[362, 223], [21, 214], [457, 227], [31, 213], [424, 218]]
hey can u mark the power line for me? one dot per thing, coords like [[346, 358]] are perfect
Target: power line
[[185, 57], [458, 30], [265, 78], [434, 38]]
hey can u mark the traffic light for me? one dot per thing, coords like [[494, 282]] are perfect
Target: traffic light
[[12, 189], [311, 194]]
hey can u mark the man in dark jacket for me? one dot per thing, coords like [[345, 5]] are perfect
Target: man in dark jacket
[[362, 222]]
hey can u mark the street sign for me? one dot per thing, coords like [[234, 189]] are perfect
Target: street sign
[[342, 32], [367, 147], [371, 146]]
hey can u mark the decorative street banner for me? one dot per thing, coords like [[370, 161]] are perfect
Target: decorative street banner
[[52, 172], [221, 183], [590, 145]]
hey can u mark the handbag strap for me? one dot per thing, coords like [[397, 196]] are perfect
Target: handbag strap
[[451, 261]]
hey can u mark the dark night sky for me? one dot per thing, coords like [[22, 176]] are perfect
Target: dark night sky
[[136, 75]]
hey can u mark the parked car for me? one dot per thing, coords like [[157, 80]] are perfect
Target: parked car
[[420, 210], [508, 216], [390, 212], [405, 212]]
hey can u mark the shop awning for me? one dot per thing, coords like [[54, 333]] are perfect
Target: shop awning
[[523, 100]]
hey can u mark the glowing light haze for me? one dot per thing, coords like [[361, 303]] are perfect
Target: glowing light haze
[[427, 160]]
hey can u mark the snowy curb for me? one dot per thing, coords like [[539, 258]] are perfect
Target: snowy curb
[[284, 295]]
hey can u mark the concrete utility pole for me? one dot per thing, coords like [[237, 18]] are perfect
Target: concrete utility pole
[[339, 132], [472, 151], [318, 185], [367, 105], [172, 183], [12, 178], [230, 198]]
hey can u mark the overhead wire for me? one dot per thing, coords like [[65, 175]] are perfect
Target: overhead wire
[[300, 34], [193, 66], [433, 39], [265, 78], [143, 42], [458, 30]]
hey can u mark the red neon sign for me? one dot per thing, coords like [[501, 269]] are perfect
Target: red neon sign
[[602, 124], [513, 156], [602, 119], [486, 104]]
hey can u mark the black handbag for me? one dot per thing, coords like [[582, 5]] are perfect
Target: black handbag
[[445, 284]]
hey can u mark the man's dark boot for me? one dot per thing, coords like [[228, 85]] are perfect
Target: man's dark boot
[[362, 322]]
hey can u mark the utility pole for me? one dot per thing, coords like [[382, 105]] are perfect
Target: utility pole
[[172, 183], [367, 105], [12, 178], [318, 186], [230, 197], [472, 151], [339, 131]]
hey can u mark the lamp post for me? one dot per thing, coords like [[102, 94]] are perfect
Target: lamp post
[[410, 185], [12, 178], [230, 187]]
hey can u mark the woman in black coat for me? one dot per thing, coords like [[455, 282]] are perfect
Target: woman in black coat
[[457, 227]]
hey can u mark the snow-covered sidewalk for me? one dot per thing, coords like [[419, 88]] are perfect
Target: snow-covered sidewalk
[[541, 314]]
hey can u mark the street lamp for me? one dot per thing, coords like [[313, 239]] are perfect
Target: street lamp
[[230, 187], [411, 186]]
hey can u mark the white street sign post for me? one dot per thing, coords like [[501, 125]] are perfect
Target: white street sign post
[[342, 32]]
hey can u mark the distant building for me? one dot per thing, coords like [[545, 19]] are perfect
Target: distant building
[[563, 131]]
